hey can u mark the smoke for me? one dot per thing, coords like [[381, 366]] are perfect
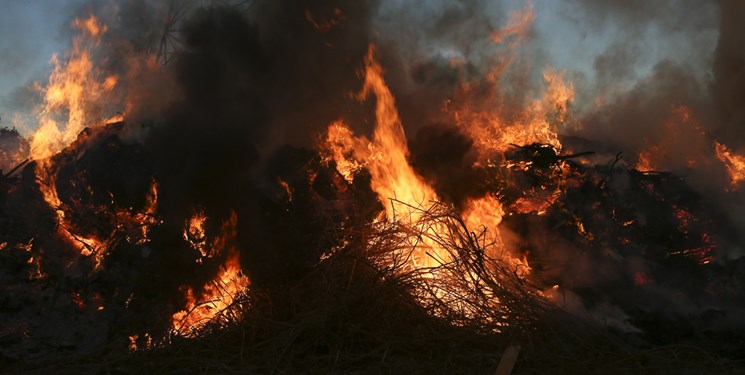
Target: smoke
[[250, 86], [728, 88]]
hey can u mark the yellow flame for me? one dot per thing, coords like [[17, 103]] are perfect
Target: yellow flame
[[217, 295], [387, 160], [71, 92], [404, 193]]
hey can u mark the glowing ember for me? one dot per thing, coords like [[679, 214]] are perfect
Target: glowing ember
[[287, 188], [324, 26], [494, 130]]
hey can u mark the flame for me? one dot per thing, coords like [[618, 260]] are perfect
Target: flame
[[682, 146], [404, 193], [75, 97], [387, 159], [324, 26], [493, 116], [734, 163], [644, 163], [485, 214], [517, 28], [217, 295], [401, 190], [287, 189], [513, 34], [90, 26], [72, 92], [494, 129], [340, 146], [195, 233], [88, 245], [139, 343]]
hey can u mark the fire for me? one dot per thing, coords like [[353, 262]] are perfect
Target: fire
[[514, 33], [72, 92], [340, 145], [386, 155], [324, 26], [195, 233], [90, 25], [682, 144], [88, 245], [405, 194], [72, 100], [644, 162], [220, 293], [496, 118], [517, 28], [392, 176], [735, 163], [401, 190], [493, 130], [287, 189]]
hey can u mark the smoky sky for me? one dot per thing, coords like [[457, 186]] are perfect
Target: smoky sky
[[268, 75]]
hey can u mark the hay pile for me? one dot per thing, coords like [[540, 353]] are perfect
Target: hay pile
[[359, 311]]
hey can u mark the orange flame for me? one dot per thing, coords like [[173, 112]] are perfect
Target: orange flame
[[219, 294], [494, 117], [494, 129], [644, 163], [195, 233], [71, 93], [735, 164], [401, 190], [404, 193], [682, 145], [387, 154]]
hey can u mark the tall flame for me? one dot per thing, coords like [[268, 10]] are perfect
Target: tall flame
[[68, 99], [71, 93], [401, 190], [405, 194], [392, 176]]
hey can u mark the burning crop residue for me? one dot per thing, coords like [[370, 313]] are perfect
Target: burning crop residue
[[322, 182]]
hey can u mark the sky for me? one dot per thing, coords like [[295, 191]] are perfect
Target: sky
[[570, 35], [30, 32]]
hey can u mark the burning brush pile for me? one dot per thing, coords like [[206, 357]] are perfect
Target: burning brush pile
[[271, 199]]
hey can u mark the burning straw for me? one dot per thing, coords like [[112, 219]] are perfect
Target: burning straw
[[364, 309]]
